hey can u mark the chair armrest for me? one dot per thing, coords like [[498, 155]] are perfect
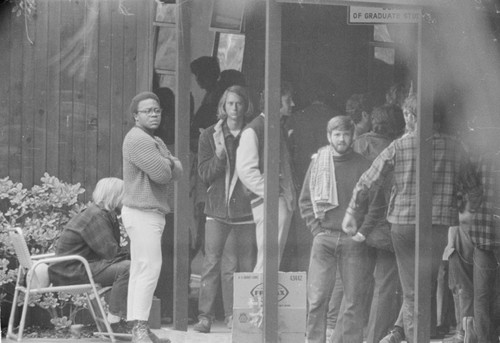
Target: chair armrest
[[56, 259], [37, 257]]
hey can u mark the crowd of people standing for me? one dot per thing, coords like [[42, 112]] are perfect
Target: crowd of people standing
[[347, 186], [353, 187]]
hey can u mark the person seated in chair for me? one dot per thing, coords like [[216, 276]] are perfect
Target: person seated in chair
[[95, 235]]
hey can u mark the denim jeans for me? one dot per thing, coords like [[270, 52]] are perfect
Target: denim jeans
[[485, 269], [474, 273], [403, 238], [228, 248], [115, 274], [386, 301], [350, 324], [460, 279], [444, 300], [335, 301], [354, 259]]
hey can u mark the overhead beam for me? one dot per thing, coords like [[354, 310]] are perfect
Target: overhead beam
[[375, 3]]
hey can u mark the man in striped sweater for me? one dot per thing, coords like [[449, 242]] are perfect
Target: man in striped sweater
[[148, 167]]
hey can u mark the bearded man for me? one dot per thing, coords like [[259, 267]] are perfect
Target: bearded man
[[328, 184]]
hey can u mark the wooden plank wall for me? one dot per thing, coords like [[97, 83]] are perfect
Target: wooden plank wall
[[4, 95], [64, 99]]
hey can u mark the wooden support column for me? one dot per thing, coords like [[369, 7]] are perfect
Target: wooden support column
[[423, 251], [271, 169], [182, 213]]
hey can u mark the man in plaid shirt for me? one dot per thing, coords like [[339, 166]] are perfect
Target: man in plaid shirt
[[450, 169], [473, 264]]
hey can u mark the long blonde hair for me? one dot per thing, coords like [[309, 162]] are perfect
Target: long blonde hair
[[108, 193], [240, 91]]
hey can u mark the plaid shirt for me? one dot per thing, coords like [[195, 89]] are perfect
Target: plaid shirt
[[450, 169], [486, 221], [93, 234]]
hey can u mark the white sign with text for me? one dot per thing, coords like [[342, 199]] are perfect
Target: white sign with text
[[383, 15]]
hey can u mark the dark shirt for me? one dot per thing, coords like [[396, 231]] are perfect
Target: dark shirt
[[231, 146], [93, 234], [348, 169], [375, 226], [371, 144], [205, 116]]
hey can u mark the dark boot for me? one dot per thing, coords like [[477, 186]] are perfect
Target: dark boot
[[140, 332]]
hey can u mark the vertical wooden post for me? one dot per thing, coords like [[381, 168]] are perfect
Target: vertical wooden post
[[181, 213], [423, 242], [271, 169]]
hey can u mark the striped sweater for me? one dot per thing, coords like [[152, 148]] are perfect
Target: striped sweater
[[148, 166]]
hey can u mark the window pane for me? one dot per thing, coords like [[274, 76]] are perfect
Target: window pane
[[386, 55], [165, 13], [166, 49], [381, 33], [230, 51]]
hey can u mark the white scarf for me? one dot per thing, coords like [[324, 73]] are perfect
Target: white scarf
[[322, 182]]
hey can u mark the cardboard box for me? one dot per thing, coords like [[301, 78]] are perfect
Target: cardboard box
[[248, 289]]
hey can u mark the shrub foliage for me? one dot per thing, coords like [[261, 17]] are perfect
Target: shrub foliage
[[41, 212]]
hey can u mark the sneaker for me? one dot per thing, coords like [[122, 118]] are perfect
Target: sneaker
[[203, 325], [229, 322], [469, 332], [394, 336], [329, 335], [457, 338], [140, 332]]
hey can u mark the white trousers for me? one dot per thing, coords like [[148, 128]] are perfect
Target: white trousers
[[284, 220], [144, 229]]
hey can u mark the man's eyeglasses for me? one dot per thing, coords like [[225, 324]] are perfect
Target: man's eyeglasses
[[151, 110]]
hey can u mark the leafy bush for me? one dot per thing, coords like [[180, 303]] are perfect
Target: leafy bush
[[41, 212]]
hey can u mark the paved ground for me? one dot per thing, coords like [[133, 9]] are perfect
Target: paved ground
[[219, 334]]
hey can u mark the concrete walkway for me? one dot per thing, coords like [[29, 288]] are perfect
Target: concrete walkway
[[218, 334]]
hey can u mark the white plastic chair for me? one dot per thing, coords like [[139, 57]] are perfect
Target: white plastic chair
[[27, 267]]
